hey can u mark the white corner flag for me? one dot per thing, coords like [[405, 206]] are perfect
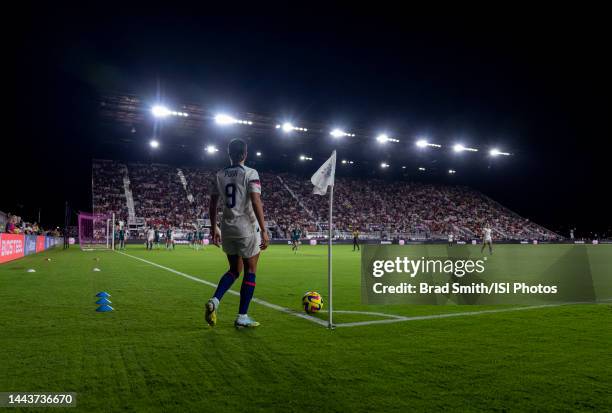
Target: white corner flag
[[323, 178]]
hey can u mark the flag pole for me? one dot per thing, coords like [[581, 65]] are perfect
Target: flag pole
[[329, 259]]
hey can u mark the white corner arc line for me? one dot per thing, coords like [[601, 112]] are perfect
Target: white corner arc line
[[210, 284], [397, 319]]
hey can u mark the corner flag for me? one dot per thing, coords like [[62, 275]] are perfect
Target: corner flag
[[323, 178]]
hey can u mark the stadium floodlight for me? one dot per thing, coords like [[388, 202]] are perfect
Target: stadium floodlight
[[384, 165], [384, 138], [257, 153], [458, 147], [305, 158], [497, 152], [452, 171], [422, 169], [338, 133], [347, 162], [423, 143], [289, 127], [211, 149], [223, 119], [154, 144], [160, 111]]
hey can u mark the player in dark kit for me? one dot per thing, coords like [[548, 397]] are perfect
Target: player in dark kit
[[355, 239], [122, 238], [156, 237], [296, 234], [169, 238]]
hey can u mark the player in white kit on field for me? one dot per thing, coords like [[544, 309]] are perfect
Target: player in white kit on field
[[242, 233], [487, 239]]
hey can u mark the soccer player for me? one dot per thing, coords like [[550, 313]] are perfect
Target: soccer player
[[169, 238], [122, 238], [150, 238], [156, 237], [451, 239], [487, 239], [295, 239], [243, 230], [201, 237], [190, 239], [355, 239]]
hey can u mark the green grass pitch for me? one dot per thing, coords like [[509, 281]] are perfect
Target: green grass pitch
[[154, 352]]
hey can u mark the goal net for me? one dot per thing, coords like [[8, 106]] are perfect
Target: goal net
[[96, 231]]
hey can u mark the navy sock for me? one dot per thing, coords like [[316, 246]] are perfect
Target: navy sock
[[246, 292], [224, 284]]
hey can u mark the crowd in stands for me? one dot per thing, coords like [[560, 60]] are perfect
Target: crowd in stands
[[386, 208], [108, 190], [16, 225]]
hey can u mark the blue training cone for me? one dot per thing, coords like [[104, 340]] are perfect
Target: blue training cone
[[103, 294], [104, 308], [103, 301]]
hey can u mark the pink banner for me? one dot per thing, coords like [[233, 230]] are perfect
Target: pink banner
[[11, 247], [40, 243]]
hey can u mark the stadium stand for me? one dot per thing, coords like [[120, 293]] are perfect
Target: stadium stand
[[164, 195]]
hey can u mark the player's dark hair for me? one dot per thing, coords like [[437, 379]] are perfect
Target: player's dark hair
[[237, 150]]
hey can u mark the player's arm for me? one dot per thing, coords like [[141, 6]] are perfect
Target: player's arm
[[212, 213], [258, 209]]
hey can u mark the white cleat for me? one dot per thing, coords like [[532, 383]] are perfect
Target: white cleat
[[244, 321]]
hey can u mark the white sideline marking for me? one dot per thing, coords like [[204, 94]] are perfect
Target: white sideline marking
[[391, 318], [257, 300]]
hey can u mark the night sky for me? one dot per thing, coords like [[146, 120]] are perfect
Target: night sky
[[538, 89]]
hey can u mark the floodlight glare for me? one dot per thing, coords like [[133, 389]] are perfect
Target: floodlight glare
[[211, 149], [452, 171], [338, 133], [305, 158], [258, 153], [154, 144], [497, 152], [223, 119], [287, 127], [422, 169], [160, 111], [384, 165], [460, 148], [421, 143], [382, 138]]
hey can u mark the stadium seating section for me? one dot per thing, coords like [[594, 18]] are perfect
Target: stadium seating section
[[377, 208]]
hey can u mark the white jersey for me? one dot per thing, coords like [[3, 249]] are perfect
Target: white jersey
[[235, 184], [151, 235], [487, 234], [450, 237]]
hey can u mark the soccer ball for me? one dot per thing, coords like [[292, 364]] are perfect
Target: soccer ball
[[312, 302]]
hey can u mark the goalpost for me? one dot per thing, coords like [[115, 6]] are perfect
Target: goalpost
[[96, 231]]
